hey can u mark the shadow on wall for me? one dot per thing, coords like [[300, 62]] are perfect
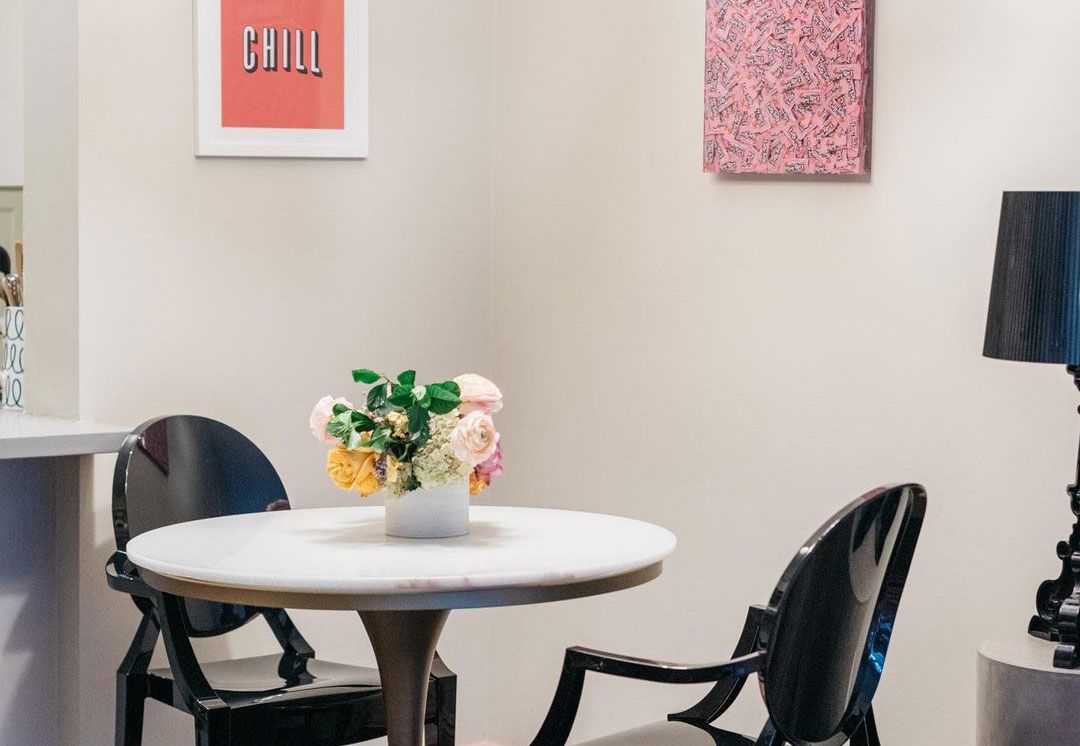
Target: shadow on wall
[[807, 179], [29, 603]]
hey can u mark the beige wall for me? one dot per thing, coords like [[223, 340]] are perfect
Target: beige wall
[[12, 109], [248, 289], [735, 358], [51, 206], [732, 358]]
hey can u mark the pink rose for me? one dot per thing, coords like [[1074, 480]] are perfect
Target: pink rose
[[474, 440], [492, 467], [478, 394], [321, 416]]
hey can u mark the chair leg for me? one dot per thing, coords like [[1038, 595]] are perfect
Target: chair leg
[[130, 704], [207, 735], [445, 683], [213, 728], [866, 734], [769, 736], [131, 683]]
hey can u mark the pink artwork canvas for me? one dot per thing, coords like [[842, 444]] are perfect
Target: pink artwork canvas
[[787, 86]]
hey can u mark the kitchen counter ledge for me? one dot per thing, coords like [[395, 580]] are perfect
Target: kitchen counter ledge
[[29, 436]]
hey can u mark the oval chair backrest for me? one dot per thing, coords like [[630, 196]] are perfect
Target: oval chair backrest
[[186, 468], [830, 618]]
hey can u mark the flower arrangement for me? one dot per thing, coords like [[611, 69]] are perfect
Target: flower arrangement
[[409, 436]]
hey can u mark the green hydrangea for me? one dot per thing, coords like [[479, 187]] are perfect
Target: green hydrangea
[[435, 464], [400, 480]]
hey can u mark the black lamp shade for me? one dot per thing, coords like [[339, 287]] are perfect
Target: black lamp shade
[[1035, 301]]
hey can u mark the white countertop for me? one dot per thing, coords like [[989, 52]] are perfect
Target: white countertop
[[29, 436], [344, 551]]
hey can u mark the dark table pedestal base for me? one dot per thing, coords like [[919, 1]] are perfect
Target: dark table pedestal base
[[404, 644]]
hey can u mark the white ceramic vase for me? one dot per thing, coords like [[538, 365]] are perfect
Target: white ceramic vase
[[438, 513], [11, 375]]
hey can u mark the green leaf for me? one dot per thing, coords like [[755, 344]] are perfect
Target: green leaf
[[402, 397], [376, 397], [448, 386], [340, 426], [425, 400], [362, 422], [442, 406], [378, 440], [355, 441], [418, 419], [339, 408], [446, 399], [443, 393], [408, 378], [363, 375]]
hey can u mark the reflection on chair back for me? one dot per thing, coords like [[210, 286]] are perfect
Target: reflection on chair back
[[186, 468], [829, 620]]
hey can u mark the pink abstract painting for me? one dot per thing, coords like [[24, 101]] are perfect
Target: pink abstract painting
[[787, 86]]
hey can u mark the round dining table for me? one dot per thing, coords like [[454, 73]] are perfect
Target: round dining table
[[403, 589]]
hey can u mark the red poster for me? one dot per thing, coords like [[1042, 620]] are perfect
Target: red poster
[[283, 64]]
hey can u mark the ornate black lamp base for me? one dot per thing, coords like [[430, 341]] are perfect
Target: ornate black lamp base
[[1063, 627], [1058, 601]]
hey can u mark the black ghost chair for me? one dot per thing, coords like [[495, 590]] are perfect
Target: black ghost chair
[[818, 647], [186, 468]]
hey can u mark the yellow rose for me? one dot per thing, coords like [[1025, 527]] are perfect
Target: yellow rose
[[353, 470], [476, 483]]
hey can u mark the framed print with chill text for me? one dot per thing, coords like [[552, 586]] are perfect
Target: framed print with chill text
[[282, 78]]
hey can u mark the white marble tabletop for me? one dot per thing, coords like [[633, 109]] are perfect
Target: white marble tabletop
[[340, 558]]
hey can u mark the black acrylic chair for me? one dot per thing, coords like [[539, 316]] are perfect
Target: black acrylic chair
[[185, 468], [818, 648]]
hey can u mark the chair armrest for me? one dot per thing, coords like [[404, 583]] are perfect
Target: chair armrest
[[119, 578], [662, 672], [162, 614], [560, 718], [724, 693], [288, 636]]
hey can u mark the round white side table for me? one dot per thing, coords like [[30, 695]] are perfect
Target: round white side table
[[404, 589], [1022, 699]]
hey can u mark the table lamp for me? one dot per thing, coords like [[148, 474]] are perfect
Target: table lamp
[[1035, 318]]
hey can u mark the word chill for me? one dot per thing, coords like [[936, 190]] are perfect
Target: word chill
[[284, 51]]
